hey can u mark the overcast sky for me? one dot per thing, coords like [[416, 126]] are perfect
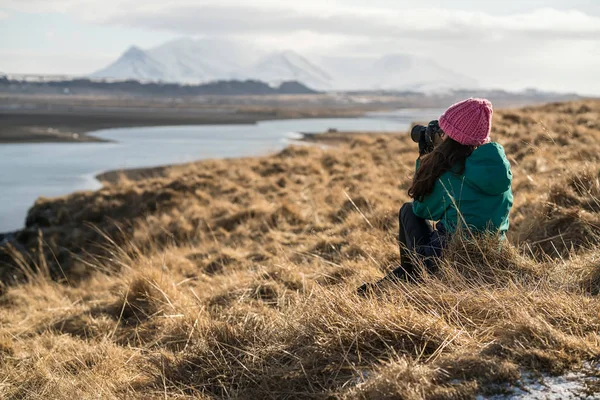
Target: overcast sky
[[512, 44]]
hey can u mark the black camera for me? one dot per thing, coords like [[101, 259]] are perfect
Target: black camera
[[427, 136]]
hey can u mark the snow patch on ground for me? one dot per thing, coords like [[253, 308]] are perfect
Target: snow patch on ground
[[571, 386]]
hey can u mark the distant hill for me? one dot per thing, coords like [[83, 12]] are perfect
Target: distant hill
[[209, 59], [84, 86]]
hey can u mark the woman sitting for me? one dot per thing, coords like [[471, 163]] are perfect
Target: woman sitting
[[463, 183]]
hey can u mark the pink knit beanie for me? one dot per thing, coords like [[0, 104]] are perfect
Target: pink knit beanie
[[468, 122]]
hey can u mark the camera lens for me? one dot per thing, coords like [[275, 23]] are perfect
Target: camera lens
[[416, 132]]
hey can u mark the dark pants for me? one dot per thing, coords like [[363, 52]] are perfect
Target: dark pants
[[417, 238]]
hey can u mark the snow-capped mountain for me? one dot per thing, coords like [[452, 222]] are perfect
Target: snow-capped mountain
[[135, 63], [188, 60], [394, 72], [211, 59], [401, 71], [290, 66], [183, 60]]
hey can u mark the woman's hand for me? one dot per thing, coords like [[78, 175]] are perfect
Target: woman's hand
[[424, 147]]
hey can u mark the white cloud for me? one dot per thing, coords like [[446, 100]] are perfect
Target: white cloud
[[325, 17], [3, 15], [102, 9], [439, 24]]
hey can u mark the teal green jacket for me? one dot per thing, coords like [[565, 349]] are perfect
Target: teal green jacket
[[481, 196]]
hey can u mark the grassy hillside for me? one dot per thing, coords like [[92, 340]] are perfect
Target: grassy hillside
[[236, 278]]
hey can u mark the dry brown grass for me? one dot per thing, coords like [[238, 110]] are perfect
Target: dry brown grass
[[236, 278]]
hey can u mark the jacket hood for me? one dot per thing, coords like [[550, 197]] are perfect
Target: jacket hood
[[488, 169]]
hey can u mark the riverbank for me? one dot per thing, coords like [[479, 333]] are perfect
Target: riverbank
[[136, 174], [27, 119], [237, 278], [67, 126], [74, 127]]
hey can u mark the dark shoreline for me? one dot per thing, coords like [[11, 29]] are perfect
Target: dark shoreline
[[75, 127], [43, 118]]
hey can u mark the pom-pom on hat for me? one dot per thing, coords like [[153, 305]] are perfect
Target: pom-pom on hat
[[468, 122]]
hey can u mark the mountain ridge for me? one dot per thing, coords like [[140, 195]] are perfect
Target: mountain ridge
[[193, 61]]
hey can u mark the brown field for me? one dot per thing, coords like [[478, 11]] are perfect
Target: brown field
[[237, 278]]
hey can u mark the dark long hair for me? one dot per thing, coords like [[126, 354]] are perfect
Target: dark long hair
[[446, 156]]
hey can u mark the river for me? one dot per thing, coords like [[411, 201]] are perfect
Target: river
[[31, 170]]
